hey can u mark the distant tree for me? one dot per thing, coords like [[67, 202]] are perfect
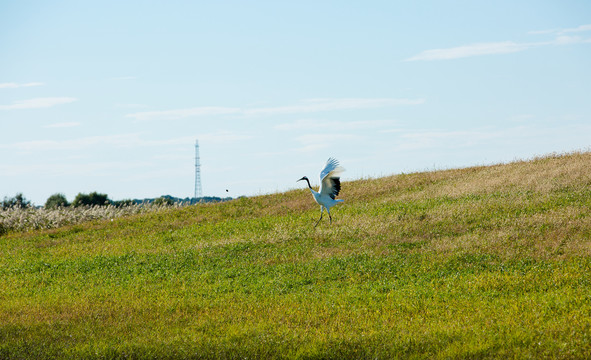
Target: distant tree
[[122, 203], [91, 199], [56, 200], [17, 201], [163, 200]]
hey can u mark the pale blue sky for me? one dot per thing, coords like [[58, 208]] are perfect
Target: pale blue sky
[[110, 96]]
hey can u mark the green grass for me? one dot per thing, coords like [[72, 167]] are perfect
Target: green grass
[[484, 262]]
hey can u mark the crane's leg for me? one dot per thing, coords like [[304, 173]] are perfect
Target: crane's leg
[[329, 217], [321, 211]]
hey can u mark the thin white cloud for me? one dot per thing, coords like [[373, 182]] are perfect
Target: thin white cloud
[[323, 138], [586, 27], [12, 85], [521, 117], [309, 124], [183, 113], [117, 140], [131, 106], [125, 140], [581, 28], [312, 147], [302, 124], [62, 125], [318, 105], [223, 137], [503, 47], [543, 32], [132, 140], [306, 106], [567, 40], [38, 103], [458, 52], [124, 78], [71, 168], [314, 142], [416, 140], [436, 140]]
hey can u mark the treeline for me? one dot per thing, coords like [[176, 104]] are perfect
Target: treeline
[[97, 199]]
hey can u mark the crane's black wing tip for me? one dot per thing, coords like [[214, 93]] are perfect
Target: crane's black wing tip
[[336, 186]]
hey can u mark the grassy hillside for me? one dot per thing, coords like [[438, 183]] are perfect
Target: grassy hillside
[[480, 262]]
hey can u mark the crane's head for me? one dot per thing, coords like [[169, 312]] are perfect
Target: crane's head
[[308, 181]]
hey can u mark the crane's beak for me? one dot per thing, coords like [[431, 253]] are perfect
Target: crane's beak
[[304, 178]]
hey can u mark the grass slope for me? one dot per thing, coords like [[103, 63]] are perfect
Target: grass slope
[[480, 262]]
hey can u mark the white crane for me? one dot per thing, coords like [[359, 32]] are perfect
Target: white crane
[[330, 185]]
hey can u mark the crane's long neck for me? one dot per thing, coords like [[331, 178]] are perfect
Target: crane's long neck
[[315, 193], [310, 187]]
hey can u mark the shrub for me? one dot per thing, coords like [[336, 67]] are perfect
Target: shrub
[[163, 200], [122, 203], [92, 199], [56, 200], [17, 201]]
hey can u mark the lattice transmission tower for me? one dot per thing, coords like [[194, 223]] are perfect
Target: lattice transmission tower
[[198, 190]]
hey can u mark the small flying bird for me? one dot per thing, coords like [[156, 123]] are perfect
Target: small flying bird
[[330, 185]]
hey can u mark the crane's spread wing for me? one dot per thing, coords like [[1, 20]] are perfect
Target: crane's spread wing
[[330, 182]]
